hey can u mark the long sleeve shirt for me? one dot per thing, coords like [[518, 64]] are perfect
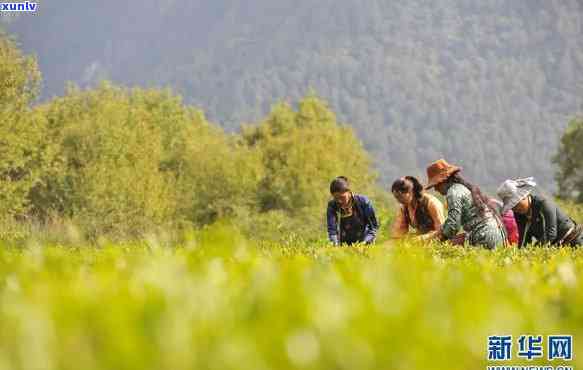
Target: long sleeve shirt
[[548, 223], [462, 212], [364, 208]]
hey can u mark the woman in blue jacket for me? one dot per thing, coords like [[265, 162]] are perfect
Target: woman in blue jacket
[[351, 217]]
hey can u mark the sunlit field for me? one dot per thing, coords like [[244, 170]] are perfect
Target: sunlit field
[[168, 185], [216, 301]]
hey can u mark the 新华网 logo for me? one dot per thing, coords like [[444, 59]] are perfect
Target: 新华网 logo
[[529, 348]]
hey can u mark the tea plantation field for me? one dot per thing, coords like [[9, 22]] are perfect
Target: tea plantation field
[[217, 301]]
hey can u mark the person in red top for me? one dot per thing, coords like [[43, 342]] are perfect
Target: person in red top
[[507, 219]]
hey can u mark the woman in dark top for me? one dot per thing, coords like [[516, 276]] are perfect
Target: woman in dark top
[[537, 217], [351, 217]]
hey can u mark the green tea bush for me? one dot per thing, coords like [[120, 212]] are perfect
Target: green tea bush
[[217, 301]]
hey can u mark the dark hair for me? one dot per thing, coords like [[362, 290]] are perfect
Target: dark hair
[[479, 199], [339, 185], [408, 183], [424, 221]]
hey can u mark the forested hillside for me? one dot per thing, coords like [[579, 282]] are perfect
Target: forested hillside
[[489, 85]]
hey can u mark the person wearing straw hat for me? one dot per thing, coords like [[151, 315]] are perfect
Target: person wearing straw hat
[[537, 217], [467, 208]]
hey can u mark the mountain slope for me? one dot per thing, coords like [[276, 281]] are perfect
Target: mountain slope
[[488, 85]]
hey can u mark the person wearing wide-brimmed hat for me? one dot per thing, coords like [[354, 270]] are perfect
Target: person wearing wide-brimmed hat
[[467, 208], [537, 217]]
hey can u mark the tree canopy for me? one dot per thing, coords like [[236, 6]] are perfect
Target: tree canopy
[[489, 85], [570, 162], [121, 161]]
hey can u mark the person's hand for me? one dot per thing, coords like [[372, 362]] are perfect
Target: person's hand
[[459, 239]]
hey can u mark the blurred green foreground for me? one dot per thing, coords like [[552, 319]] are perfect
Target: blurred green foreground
[[216, 301]]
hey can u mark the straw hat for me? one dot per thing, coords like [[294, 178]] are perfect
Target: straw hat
[[439, 171], [513, 191]]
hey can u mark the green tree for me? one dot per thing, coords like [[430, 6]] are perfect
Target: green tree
[[19, 76], [25, 155], [302, 151], [110, 150], [570, 161], [131, 159]]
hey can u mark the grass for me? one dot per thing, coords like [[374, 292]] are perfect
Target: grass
[[217, 301]]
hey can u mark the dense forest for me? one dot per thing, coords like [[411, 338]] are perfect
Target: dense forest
[[489, 85]]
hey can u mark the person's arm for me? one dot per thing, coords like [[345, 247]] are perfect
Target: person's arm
[[372, 226], [511, 227], [527, 239], [549, 213], [436, 212], [400, 226], [453, 221], [428, 236], [332, 221], [521, 224]]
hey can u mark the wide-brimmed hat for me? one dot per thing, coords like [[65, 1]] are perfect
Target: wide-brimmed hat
[[439, 171], [513, 191]]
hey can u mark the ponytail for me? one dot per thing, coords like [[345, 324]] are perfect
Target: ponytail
[[480, 201]]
